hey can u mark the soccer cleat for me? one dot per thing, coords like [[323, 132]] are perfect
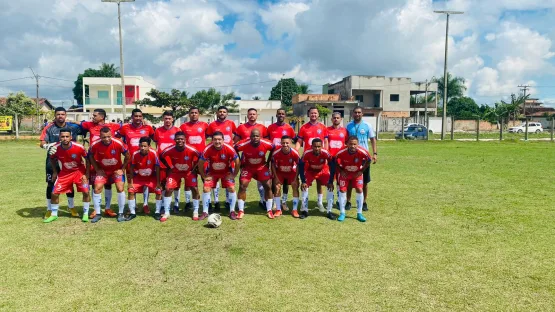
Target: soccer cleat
[[262, 205], [130, 217], [304, 214], [203, 216], [295, 214], [233, 215], [217, 207], [277, 213], [364, 207], [360, 217], [176, 209], [348, 206], [74, 212], [341, 217], [330, 216], [157, 216], [146, 210], [121, 218], [47, 214], [188, 206], [195, 216], [164, 218], [284, 207], [85, 218], [321, 208], [110, 213], [96, 218], [92, 215], [50, 219], [240, 215], [270, 214]]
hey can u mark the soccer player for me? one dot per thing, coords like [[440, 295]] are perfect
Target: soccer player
[[164, 138], [50, 136], [145, 174], [255, 166], [312, 130], [183, 160], [315, 166], [195, 133], [93, 127], [223, 164], [350, 163], [132, 134], [243, 133], [227, 128], [105, 157], [337, 136], [72, 171], [276, 131], [364, 132], [284, 170]]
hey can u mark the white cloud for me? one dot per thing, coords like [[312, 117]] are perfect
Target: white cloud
[[247, 38], [280, 18]]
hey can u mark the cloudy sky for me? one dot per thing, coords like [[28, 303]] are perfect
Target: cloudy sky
[[246, 45]]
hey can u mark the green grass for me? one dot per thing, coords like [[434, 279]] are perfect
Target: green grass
[[483, 135], [452, 226]]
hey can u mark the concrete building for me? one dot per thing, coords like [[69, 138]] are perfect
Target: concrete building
[[385, 96], [266, 110], [302, 102], [106, 93]]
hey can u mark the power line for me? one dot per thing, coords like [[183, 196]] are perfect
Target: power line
[[56, 78], [15, 79], [235, 85]]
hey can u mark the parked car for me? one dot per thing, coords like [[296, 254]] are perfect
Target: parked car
[[416, 125], [413, 133], [532, 127]]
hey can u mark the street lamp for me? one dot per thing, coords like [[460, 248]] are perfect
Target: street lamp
[[121, 56], [443, 120]]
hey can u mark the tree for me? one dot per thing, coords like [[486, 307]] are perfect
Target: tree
[[463, 108], [304, 89], [209, 100], [105, 70], [256, 98], [323, 112], [455, 87], [290, 88], [19, 104], [176, 101]]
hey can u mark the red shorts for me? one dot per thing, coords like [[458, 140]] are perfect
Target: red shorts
[[174, 180], [354, 182], [321, 176], [259, 174], [65, 180], [289, 177], [215, 178], [140, 184], [111, 177]]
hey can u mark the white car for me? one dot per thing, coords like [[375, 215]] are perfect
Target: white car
[[532, 127]]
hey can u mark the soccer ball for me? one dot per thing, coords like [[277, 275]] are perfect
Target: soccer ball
[[214, 220]]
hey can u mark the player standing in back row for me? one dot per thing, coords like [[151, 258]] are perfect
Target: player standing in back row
[[312, 130]]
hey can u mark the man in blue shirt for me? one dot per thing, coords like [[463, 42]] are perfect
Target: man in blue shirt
[[364, 132]]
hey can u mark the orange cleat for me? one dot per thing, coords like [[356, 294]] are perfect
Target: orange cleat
[[110, 213], [270, 214], [295, 214], [241, 214], [277, 213], [92, 215]]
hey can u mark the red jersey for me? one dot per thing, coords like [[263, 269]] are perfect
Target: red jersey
[[309, 132], [276, 131], [316, 163], [71, 159], [253, 156], [195, 133], [181, 161], [108, 156], [145, 165], [336, 139], [227, 127], [133, 134], [285, 163], [244, 130], [354, 162], [219, 161], [94, 129]]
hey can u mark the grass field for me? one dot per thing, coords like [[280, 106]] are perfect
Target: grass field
[[451, 226]]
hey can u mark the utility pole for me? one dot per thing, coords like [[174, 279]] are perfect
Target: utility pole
[[426, 105], [38, 99], [444, 119], [524, 88], [281, 86]]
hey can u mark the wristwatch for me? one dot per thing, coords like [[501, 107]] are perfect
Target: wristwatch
[[375, 153]]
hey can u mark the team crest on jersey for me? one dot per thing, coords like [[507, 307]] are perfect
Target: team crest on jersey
[[113, 152], [142, 132], [172, 136], [199, 130], [266, 173], [362, 131], [222, 156], [261, 153], [73, 156], [186, 157], [290, 160], [194, 180], [321, 160], [283, 132], [342, 135], [227, 128], [148, 162], [319, 131], [356, 160]]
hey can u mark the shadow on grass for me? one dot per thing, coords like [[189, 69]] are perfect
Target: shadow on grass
[[38, 212]]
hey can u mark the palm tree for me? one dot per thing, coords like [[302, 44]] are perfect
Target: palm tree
[[256, 98], [108, 70], [455, 86], [304, 89]]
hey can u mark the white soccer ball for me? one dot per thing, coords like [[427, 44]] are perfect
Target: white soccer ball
[[214, 220]]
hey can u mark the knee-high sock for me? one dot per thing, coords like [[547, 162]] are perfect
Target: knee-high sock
[[70, 202], [121, 201], [261, 191], [48, 205], [49, 189], [232, 201], [188, 195], [227, 200], [241, 205], [269, 204], [54, 209], [167, 204], [176, 194], [205, 202], [329, 200], [304, 205], [195, 205], [158, 206], [295, 203], [320, 199], [97, 198], [284, 197], [108, 198], [342, 202], [145, 197], [86, 208], [359, 198], [131, 203], [277, 200], [216, 191]]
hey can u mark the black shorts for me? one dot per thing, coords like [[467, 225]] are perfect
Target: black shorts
[[49, 171], [366, 175]]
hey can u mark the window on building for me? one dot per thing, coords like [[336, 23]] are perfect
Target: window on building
[[359, 98], [119, 99], [103, 94], [331, 91], [394, 97]]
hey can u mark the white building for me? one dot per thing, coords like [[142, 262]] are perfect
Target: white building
[[266, 110], [106, 93]]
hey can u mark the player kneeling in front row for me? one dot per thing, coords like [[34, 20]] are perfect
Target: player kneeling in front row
[[184, 160], [72, 171], [315, 166], [144, 175], [255, 166], [223, 164], [284, 168], [351, 163], [105, 156]]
